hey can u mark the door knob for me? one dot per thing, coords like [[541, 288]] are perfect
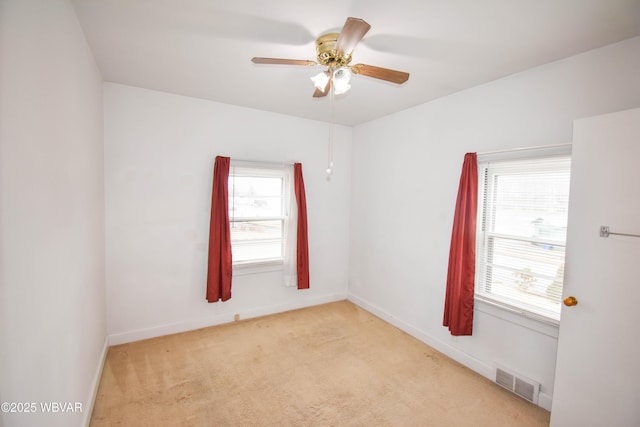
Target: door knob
[[570, 301]]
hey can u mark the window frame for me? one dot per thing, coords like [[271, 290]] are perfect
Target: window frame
[[485, 232], [260, 170]]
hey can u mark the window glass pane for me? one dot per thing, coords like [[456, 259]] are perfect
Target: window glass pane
[[526, 268], [255, 197], [256, 240], [521, 290], [256, 230], [256, 252], [521, 244], [532, 205], [256, 213]]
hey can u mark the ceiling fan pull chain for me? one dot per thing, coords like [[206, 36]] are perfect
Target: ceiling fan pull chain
[[330, 147]]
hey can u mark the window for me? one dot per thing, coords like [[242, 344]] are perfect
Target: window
[[522, 225], [257, 199]]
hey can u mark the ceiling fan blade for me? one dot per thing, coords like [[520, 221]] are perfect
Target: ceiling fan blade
[[280, 61], [392, 76], [319, 94], [353, 31]]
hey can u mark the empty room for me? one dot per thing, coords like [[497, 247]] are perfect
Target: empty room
[[348, 213]]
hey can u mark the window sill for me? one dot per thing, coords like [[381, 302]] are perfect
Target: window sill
[[248, 268], [530, 321]]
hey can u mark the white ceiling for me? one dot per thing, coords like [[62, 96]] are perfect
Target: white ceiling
[[202, 48]]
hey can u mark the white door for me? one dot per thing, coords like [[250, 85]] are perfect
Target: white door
[[597, 379]]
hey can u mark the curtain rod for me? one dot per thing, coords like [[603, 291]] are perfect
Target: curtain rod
[[538, 147]]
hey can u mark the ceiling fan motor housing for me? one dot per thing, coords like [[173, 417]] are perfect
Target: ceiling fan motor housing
[[327, 55]]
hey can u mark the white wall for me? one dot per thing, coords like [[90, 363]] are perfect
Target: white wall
[[158, 157], [52, 294], [158, 175], [406, 169]]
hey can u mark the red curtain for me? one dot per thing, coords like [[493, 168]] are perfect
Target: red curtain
[[303, 240], [458, 305], [219, 271]]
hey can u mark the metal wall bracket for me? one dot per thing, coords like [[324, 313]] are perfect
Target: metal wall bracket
[[604, 232]]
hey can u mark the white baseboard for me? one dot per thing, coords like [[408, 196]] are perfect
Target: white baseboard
[[95, 384], [474, 364], [219, 319], [482, 368], [544, 401]]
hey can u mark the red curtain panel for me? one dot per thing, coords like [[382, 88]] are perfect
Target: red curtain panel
[[303, 240], [219, 269], [458, 305]]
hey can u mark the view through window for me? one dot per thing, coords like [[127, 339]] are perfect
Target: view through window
[[256, 214], [522, 230]]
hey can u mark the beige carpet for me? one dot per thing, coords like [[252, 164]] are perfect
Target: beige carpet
[[329, 365]]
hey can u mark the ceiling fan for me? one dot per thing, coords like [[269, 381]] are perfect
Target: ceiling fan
[[334, 51]]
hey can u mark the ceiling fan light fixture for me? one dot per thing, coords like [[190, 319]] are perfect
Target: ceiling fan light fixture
[[339, 89], [341, 79], [320, 80]]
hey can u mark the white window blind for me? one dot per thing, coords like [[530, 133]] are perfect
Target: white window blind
[[522, 224], [257, 214]]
